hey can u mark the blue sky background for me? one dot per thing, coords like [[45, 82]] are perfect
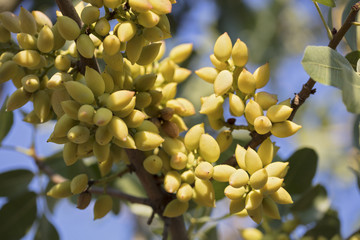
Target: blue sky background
[[332, 141]]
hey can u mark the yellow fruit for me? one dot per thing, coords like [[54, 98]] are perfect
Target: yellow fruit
[[181, 52], [90, 14], [8, 70], [27, 58], [30, 83], [223, 82], [41, 19], [115, 61], [134, 48], [208, 74], [252, 161], [147, 125], [236, 105], [262, 125], [86, 113], [239, 178], [253, 200], [59, 41], [277, 169], [223, 47], [184, 193], [175, 208], [148, 54], [270, 208], [285, 129], [153, 164], [105, 167], [148, 19], [128, 143], [143, 100], [103, 135], [178, 161], [79, 183], [251, 234], [140, 5], [181, 74], [102, 27], [234, 193], [204, 193], [146, 141], [256, 214], [126, 31], [111, 45], [192, 137], [69, 153], [239, 53], [272, 185], [57, 80], [281, 196], [161, 6], [17, 99], [42, 105], [5, 35], [85, 46], [27, 22], [262, 75], [112, 3], [101, 152], [252, 111], [108, 82], [246, 82], [208, 148], [204, 170], [94, 81], [223, 172], [67, 28], [212, 104], [10, 21], [265, 100], [62, 62], [119, 99], [45, 40], [153, 34], [78, 134], [79, 92], [118, 128], [258, 179], [103, 206], [266, 151], [279, 113], [237, 205], [172, 181], [188, 177], [173, 145], [60, 190], [286, 102], [224, 139]]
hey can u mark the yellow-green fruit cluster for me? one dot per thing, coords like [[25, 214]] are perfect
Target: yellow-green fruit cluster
[[232, 80], [256, 187]]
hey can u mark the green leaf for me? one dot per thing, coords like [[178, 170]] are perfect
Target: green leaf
[[46, 230], [351, 34], [6, 120], [328, 67], [14, 183], [327, 227], [17, 216], [219, 188], [353, 58], [302, 169], [308, 198], [329, 3]]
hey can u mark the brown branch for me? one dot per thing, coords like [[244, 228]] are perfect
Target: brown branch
[[307, 88], [67, 9], [157, 196]]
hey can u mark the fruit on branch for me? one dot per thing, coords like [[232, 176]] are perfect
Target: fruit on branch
[[60, 190], [90, 14], [67, 28], [85, 46], [27, 22], [239, 53], [175, 208], [79, 183], [103, 206]]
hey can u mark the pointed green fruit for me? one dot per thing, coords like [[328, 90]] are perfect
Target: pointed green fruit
[[67, 28], [223, 82], [279, 113], [239, 53], [234, 193], [266, 151], [265, 100], [146, 141], [181, 52], [285, 129], [262, 75], [253, 200], [17, 99], [208, 148], [103, 206], [85, 46], [27, 22], [46, 39], [204, 170], [79, 183], [281, 196], [60, 190], [208, 74]]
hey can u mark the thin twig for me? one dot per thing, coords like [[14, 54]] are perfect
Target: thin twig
[[307, 88]]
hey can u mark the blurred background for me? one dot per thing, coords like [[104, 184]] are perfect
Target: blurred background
[[275, 31]]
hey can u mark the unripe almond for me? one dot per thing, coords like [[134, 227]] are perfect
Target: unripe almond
[[234, 193], [79, 183], [103, 206], [103, 135], [134, 48], [272, 185], [10, 21], [262, 125], [246, 82], [223, 172], [90, 14], [262, 75], [277, 169], [78, 134], [148, 54], [285, 129], [175, 208], [59, 41], [79, 92], [239, 178], [265, 100], [181, 74], [178, 161], [146, 141], [102, 27], [153, 34], [27, 58], [126, 31], [223, 47], [63, 125], [236, 105], [252, 111], [46, 40], [181, 52], [17, 99], [57, 97], [204, 170], [208, 148], [173, 145], [208, 74], [148, 19], [252, 161], [94, 81], [223, 82], [57, 80], [60, 190], [279, 113], [240, 53], [115, 61], [153, 164], [67, 28]]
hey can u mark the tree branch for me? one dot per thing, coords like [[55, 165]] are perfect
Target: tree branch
[[307, 88], [67, 9]]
